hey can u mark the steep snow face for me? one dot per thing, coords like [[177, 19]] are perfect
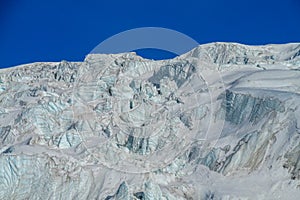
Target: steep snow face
[[220, 122], [238, 54]]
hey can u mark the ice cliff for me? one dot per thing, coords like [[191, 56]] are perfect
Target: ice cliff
[[219, 122]]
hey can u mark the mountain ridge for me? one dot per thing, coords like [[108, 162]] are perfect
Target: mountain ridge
[[205, 125]]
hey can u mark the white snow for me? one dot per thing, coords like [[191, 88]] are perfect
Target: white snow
[[219, 122]]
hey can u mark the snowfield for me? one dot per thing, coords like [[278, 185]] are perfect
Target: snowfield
[[219, 122]]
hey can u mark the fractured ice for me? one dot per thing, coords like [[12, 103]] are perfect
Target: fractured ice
[[219, 122]]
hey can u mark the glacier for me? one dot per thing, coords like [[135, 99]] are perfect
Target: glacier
[[221, 121]]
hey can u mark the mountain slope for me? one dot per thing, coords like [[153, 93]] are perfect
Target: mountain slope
[[219, 122]]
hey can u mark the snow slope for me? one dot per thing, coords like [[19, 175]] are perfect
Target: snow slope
[[219, 122]]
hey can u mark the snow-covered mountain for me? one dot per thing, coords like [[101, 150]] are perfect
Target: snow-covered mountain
[[219, 122]]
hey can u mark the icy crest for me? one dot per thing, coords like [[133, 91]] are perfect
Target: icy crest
[[219, 122]]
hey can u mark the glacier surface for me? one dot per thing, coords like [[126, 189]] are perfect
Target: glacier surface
[[219, 122]]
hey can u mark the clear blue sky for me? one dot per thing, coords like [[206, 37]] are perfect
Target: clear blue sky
[[54, 30]]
